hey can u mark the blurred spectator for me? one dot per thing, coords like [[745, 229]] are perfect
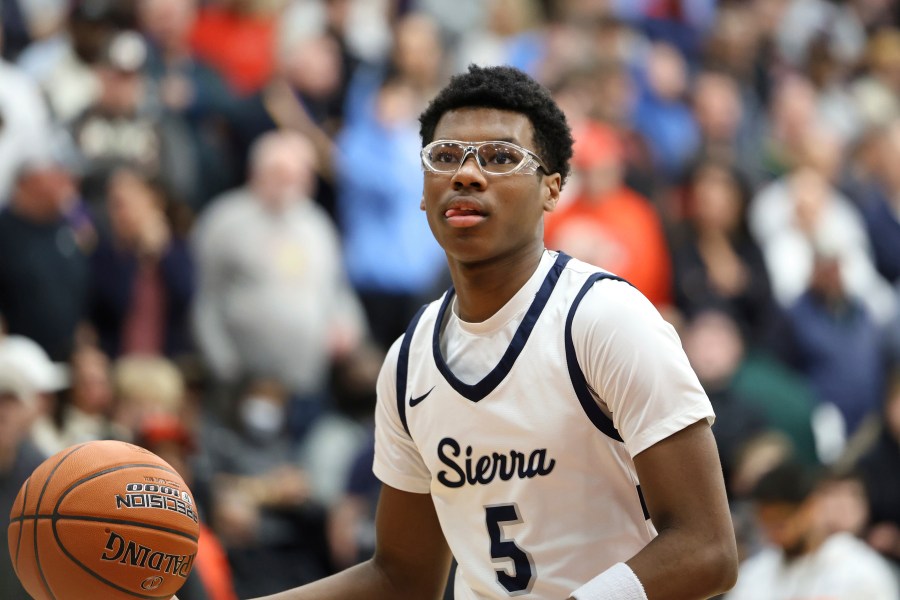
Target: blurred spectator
[[843, 503], [725, 126], [47, 381], [416, 57], [606, 223], [873, 14], [125, 127], [661, 114], [261, 499], [24, 124], [84, 413], [785, 397], [43, 267], [456, 18], [14, 27], [879, 468], [717, 263], [507, 36], [361, 27], [247, 59], [351, 521], [60, 62], [792, 118], [142, 274], [804, 559], [834, 342], [759, 456], [715, 349], [18, 459], [605, 93], [806, 21], [740, 46], [190, 88], [304, 94], [876, 90], [170, 439], [829, 72], [273, 295], [795, 214], [145, 386], [880, 204], [378, 206]]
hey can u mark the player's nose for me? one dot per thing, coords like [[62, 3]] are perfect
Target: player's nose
[[469, 174]]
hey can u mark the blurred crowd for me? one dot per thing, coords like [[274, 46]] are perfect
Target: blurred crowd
[[210, 235]]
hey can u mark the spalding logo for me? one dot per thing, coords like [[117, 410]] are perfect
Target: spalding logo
[[151, 583], [128, 552]]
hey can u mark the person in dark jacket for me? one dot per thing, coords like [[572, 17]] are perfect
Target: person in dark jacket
[[142, 276]]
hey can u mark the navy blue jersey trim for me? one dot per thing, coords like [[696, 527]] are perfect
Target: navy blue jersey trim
[[403, 367], [643, 502], [582, 390], [489, 382]]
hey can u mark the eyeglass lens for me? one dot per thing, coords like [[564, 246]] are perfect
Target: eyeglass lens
[[494, 157]]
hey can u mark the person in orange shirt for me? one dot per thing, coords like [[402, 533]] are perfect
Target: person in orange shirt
[[606, 223]]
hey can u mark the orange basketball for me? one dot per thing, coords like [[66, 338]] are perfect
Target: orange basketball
[[103, 520]]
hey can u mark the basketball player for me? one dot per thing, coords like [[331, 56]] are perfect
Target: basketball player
[[540, 421]]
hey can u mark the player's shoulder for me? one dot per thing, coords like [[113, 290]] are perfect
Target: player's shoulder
[[608, 293]]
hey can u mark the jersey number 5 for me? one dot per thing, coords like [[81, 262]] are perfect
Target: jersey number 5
[[503, 549]]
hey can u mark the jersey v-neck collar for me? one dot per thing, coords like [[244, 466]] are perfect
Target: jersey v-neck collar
[[489, 382], [509, 311]]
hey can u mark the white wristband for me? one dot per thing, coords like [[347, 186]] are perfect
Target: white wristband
[[616, 583]]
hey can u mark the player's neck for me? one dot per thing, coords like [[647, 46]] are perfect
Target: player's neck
[[484, 288]]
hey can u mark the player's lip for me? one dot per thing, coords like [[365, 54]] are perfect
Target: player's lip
[[465, 205], [463, 212]]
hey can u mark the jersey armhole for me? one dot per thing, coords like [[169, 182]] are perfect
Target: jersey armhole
[[403, 368], [576, 375]]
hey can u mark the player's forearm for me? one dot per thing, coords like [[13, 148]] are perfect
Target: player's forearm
[[365, 580], [681, 565]]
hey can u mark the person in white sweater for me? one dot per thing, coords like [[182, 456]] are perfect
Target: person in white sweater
[[804, 560]]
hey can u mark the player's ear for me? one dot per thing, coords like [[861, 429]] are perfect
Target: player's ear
[[550, 191]]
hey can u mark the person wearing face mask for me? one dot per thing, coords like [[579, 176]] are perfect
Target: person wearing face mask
[[262, 501]]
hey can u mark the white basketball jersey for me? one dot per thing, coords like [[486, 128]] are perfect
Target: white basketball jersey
[[534, 488]]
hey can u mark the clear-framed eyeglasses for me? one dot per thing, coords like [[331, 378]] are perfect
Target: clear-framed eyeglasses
[[493, 158]]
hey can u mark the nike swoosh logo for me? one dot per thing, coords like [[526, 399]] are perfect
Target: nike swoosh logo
[[414, 401]]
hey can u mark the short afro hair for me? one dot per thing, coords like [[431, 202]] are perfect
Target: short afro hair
[[790, 482], [506, 88]]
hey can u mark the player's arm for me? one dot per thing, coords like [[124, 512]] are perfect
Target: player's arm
[[634, 362], [694, 555], [411, 558]]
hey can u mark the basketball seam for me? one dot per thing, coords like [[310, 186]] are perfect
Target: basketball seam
[[56, 517], [37, 508], [104, 472], [91, 519], [98, 576], [22, 524], [56, 514]]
